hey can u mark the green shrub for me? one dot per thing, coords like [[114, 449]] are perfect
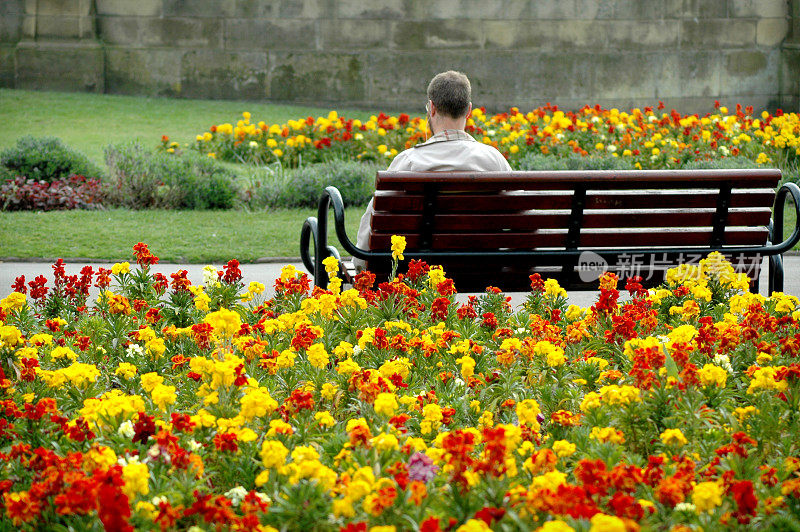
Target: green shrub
[[536, 161], [140, 178], [302, 187], [45, 159], [724, 163]]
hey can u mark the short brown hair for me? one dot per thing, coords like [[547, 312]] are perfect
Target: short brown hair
[[451, 93]]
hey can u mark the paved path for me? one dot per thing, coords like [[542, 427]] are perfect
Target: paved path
[[266, 273]]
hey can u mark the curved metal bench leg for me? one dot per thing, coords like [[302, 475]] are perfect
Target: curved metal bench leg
[[309, 231], [775, 283]]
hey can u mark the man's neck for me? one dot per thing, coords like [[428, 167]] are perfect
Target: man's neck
[[444, 123]]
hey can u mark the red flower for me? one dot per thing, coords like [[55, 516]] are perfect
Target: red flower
[[232, 272], [227, 442], [746, 500], [143, 256]]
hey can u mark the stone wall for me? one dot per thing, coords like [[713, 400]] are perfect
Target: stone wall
[[381, 53]]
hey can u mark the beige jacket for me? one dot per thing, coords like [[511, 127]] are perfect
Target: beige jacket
[[448, 150]]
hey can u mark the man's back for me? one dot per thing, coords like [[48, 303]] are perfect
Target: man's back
[[448, 150]]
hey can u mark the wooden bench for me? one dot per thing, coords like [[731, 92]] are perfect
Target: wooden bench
[[497, 228]]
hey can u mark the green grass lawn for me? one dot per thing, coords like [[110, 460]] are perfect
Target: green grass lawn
[[173, 236], [89, 122]]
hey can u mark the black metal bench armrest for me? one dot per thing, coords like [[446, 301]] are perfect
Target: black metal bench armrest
[[776, 224], [317, 228]]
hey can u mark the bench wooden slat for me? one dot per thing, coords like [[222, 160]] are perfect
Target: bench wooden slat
[[605, 180], [535, 220], [615, 238], [396, 201]]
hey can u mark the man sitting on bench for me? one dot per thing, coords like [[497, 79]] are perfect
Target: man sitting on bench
[[449, 149]]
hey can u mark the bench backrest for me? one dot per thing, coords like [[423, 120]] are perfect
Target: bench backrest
[[569, 210]]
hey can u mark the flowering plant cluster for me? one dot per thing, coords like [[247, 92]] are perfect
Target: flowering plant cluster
[[170, 406], [74, 192], [649, 138]]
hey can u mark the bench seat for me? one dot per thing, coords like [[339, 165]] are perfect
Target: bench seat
[[496, 228]]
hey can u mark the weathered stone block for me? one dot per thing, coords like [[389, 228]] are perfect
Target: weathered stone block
[[594, 9], [689, 74], [473, 9], [380, 9], [759, 8], [218, 74], [139, 8], [275, 34], [198, 8], [790, 70], [12, 7], [318, 9], [62, 7], [771, 31], [7, 53], [317, 78], [310, 9], [255, 9], [718, 33], [402, 77], [752, 72], [58, 27], [635, 35], [28, 26], [354, 34], [184, 32], [638, 10], [547, 35], [140, 71], [746, 63], [638, 79], [118, 30], [672, 9], [58, 65], [553, 76], [413, 35], [565, 10], [10, 27], [705, 8]]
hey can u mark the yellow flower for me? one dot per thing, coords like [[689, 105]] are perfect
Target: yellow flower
[[398, 246], [201, 302], [163, 395], [136, 477], [606, 523], [467, 366], [15, 300], [120, 268], [324, 419], [706, 496], [63, 352], [673, 437], [385, 442], [318, 356], [474, 525], [386, 404], [99, 456], [555, 526], [712, 375], [125, 370], [527, 412], [273, 454], [607, 434], [328, 391], [151, 380], [563, 448], [226, 322]]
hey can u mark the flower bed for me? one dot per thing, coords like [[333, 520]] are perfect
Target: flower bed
[[649, 138], [167, 406]]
